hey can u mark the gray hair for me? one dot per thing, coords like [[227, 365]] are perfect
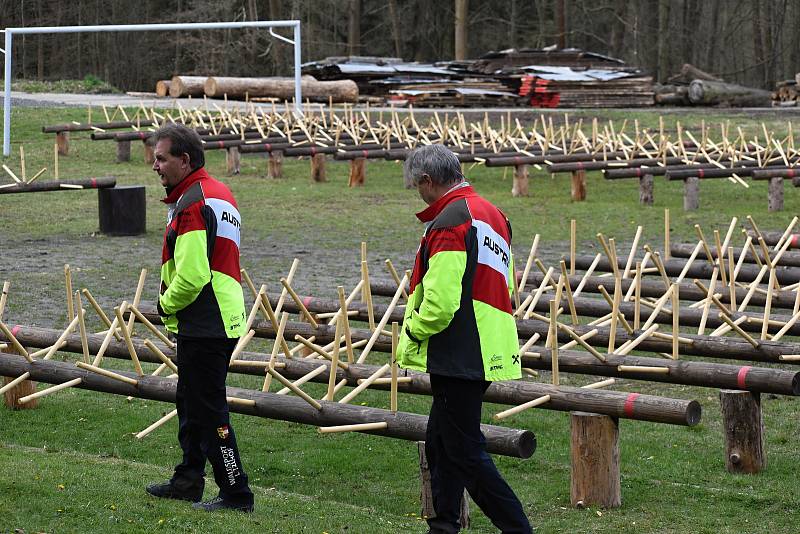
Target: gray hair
[[437, 161]]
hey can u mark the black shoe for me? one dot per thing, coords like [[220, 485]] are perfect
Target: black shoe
[[168, 490], [218, 503]]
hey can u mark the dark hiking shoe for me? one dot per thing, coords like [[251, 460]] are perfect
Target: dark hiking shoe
[[167, 490], [218, 503]]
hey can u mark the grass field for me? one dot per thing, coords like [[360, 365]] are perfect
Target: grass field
[[73, 465]]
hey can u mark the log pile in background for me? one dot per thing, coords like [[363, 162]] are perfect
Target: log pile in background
[[277, 88], [695, 87], [786, 93]]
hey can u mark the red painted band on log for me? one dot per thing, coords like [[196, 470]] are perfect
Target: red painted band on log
[[629, 404], [742, 375]]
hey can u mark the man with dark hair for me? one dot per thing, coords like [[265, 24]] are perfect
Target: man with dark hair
[[201, 303], [458, 326]]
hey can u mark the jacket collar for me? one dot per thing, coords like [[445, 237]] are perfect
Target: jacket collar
[[458, 191], [184, 185]]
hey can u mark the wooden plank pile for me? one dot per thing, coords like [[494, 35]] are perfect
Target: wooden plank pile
[[563, 87]]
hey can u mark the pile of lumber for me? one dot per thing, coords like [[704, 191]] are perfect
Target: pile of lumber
[[508, 61], [565, 87], [456, 94]]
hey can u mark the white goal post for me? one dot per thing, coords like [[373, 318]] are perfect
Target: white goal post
[[10, 32]]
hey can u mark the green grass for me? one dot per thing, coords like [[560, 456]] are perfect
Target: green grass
[[90, 84], [673, 478]]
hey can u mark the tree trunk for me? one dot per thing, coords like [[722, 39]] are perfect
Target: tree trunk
[[646, 190], [707, 93], [691, 193], [357, 172], [578, 189], [354, 28], [162, 88], [277, 46], [318, 168], [561, 23], [663, 40], [775, 194], [181, 86], [744, 431], [398, 52], [758, 41], [461, 30], [275, 164], [425, 497], [595, 461], [520, 187], [281, 88]]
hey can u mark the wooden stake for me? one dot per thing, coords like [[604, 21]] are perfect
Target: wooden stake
[[346, 326], [157, 424], [395, 276], [359, 427], [305, 378], [522, 407], [768, 303], [48, 391], [160, 355], [572, 244], [137, 297], [334, 363], [632, 253], [14, 383], [667, 251], [384, 320], [747, 337], [568, 290], [107, 373], [707, 306], [676, 306], [289, 280], [643, 369], [365, 384], [296, 390], [531, 255], [55, 161], [68, 279], [554, 340], [366, 293], [637, 305], [299, 303], [580, 340], [127, 337], [393, 387]]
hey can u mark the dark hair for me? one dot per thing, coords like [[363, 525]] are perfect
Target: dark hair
[[184, 141], [437, 161]]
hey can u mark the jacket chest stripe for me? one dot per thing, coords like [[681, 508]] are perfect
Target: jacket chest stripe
[[493, 250]]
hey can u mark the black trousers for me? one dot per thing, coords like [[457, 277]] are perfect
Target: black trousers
[[457, 458], [204, 429]]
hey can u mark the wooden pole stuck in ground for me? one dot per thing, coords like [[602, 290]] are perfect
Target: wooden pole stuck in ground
[[426, 497]]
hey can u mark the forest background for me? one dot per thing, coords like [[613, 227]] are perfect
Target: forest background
[[750, 42]]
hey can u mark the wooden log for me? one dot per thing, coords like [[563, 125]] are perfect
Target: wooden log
[[181, 86], [122, 210], [233, 161], [123, 151], [789, 259], [275, 164], [425, 496], [162, 88], [578, 189], [744, 431], [70, 127], [400, 425], [62, 141], [563, 398], [281, 88], [691, 193], [646, 190], [357, 172], [709, 93], [318, 168], [783, 172], [689, 72], [594, 452], [775, 194], [520, 187], [62, 185]]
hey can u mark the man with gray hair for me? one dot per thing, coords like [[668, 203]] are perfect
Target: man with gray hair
[[459, 328]]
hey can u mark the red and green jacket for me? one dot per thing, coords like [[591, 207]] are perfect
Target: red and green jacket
[[201, 292], [458, 320]]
